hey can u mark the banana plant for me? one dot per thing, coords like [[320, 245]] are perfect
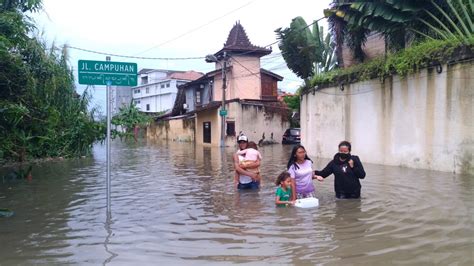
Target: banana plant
[[306, 52], [130, 118], [456, 20]]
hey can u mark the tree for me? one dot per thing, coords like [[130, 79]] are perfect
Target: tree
[[293, 102], [298, 48], [41, 115], [400, 22], [456, 21], [306, 52], [130, 118]]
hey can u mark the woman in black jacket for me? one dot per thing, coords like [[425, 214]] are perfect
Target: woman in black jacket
[[347, 170]]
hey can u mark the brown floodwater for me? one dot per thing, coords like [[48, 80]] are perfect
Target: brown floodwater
[[173, 203]]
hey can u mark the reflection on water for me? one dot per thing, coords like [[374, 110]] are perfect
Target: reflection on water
[[173, 203]]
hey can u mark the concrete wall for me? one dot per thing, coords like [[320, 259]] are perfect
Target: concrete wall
[[255, 120], [176, 130], [242, 82], [422, 121], [252, 120], [212, 116]]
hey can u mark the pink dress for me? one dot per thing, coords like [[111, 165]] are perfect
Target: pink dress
[[250, 156]]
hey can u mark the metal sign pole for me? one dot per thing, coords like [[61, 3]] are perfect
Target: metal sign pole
[[108, 185], [107, 73]]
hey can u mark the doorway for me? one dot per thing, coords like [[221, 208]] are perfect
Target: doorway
[[206, 129]]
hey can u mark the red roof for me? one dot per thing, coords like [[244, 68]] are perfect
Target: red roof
[[188, 75]]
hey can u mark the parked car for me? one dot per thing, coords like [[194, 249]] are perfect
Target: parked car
[[291, 136]]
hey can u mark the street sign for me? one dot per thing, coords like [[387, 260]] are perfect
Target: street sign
[[223, 112], [107, 73]]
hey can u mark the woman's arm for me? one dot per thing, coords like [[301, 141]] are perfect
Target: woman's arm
[[358, 168], [291, 171], [293, 189], [240, 170], [251, 165], [236, 179], [242, 152], [326, 171]]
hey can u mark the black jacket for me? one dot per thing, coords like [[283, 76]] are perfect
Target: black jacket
[[346, 180]]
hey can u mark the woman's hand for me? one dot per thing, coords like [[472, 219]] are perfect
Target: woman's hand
[[351, 163], [319, 178]]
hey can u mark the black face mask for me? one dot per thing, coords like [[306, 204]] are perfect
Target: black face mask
[[344, 156]]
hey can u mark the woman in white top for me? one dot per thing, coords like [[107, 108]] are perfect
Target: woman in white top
[[243, 178]]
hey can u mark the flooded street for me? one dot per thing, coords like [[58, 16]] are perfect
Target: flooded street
[[173, 203]]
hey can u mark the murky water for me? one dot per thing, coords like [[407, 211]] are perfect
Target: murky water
[[173, 203]]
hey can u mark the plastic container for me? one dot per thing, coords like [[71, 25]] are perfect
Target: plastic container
[[307, 203]]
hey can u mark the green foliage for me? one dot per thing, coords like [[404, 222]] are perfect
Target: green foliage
[[458, 20], [306, 52], [293, 102], [20, 5], [402, 63], [129, 118], [41, 115], [400, 22], [298, 47]]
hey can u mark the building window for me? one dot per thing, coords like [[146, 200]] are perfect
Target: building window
[[167, 85], [230, 130], [198, 97], [148, 107], [144, 80], [147, 90], [137, 101], [137, 91], [162, 86]]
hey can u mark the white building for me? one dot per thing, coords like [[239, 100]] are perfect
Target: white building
[[120, 97], [158, 88]]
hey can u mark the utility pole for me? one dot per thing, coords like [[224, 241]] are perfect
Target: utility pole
[[223, 112]]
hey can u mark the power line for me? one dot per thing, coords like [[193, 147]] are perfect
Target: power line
[[136, 57], [181, 58], [269, 45], [195, 29]]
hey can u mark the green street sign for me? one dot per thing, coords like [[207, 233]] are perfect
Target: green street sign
[[223, 112], [107, 73]]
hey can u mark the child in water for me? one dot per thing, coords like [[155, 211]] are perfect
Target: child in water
[[283, 192], [250, 155]]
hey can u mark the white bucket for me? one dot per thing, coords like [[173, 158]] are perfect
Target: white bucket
[[307, 203]]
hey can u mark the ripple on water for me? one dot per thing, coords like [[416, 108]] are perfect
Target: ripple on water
[[174, 203]]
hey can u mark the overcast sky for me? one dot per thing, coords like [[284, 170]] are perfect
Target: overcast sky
[[170, 29]]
